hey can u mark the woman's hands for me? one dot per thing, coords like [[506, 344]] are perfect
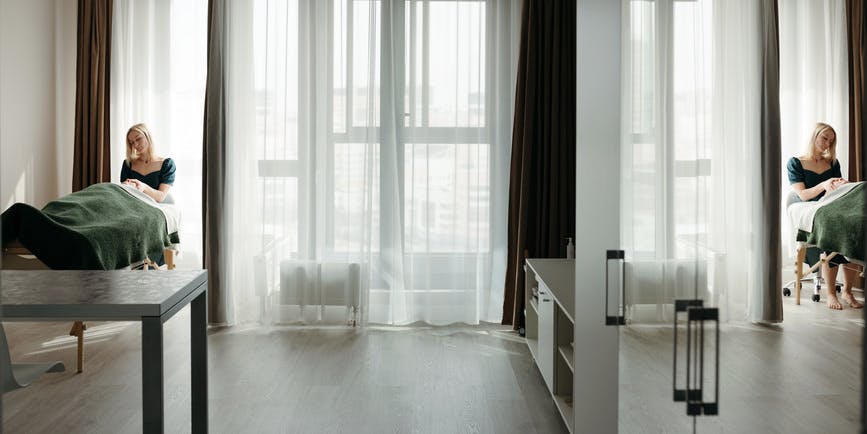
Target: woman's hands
[[136, 184], [833, 184], [157, 195]]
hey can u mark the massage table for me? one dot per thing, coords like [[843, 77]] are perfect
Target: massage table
[[835, 224], [102, 227]]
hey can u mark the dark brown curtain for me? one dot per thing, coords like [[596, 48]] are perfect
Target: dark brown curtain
[[862, 119], [214, 164], [92, 156], [855, 37], [772, 301], [542, 186]]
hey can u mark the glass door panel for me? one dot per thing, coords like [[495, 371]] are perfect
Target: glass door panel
[[667, 348]]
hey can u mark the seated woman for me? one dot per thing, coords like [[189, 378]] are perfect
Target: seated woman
[[811, 175], [143, 169]]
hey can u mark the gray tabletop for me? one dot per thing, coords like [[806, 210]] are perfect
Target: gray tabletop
[[95, 295]]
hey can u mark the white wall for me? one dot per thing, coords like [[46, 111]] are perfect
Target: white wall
[[37, 99], [65, 24]]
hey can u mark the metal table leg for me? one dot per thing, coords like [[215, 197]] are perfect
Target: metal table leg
[[152, 374], [199, 357]]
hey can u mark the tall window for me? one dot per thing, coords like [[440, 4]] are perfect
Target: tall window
[[375, 143], [691, 193], [813, 85], [158, 63], [670, 119]]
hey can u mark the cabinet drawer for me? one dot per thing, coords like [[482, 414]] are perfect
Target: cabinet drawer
[[546, 335]]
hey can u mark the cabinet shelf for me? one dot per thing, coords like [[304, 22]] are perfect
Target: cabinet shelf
[[568, 355], [564, 406]]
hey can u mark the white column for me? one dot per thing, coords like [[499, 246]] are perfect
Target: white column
[[595, 388]]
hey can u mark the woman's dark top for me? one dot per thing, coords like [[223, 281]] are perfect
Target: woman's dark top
[[166, 174], [797, 173]]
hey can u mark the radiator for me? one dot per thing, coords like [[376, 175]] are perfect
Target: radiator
[[651, 282], [652, 286], [320, 284]]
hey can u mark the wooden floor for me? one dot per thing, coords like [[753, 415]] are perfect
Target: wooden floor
[[800, 377], [284, 379]]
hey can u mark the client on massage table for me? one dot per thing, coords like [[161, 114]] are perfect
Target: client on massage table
[[811, 175]]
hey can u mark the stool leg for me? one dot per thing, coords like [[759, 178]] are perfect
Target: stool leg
[[170, 259], [799, 272]]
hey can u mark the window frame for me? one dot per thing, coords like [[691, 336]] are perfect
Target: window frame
[[661, 134], [408, 134]]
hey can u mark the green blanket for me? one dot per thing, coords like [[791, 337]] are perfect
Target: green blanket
[[839, 226], [99, 228]]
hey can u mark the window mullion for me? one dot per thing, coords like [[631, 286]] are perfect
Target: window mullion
[[425, 65], [350, 18], [391, 68], [409, 121], [665, 145]]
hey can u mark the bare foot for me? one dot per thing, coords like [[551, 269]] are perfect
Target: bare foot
[[833, 303], [849, 298]]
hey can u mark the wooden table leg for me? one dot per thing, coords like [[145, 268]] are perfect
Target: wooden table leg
[[77, 330]]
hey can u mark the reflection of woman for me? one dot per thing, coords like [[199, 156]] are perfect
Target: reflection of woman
[[143, 169], [811, 176]]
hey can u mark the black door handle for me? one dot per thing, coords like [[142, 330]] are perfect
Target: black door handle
[[620, 318], [693, 393]]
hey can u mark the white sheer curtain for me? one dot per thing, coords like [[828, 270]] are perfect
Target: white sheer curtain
[[813, 83], [158, 77], [371, 133], [691, 148]]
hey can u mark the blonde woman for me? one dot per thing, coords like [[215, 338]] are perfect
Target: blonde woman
[[143, 169], [811, 175]]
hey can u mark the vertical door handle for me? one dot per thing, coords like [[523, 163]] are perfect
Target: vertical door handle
[[693, 393], [681, 307], [620, 318]]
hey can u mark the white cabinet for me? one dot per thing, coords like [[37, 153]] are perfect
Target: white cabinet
[[549, 326], [545, 359]]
